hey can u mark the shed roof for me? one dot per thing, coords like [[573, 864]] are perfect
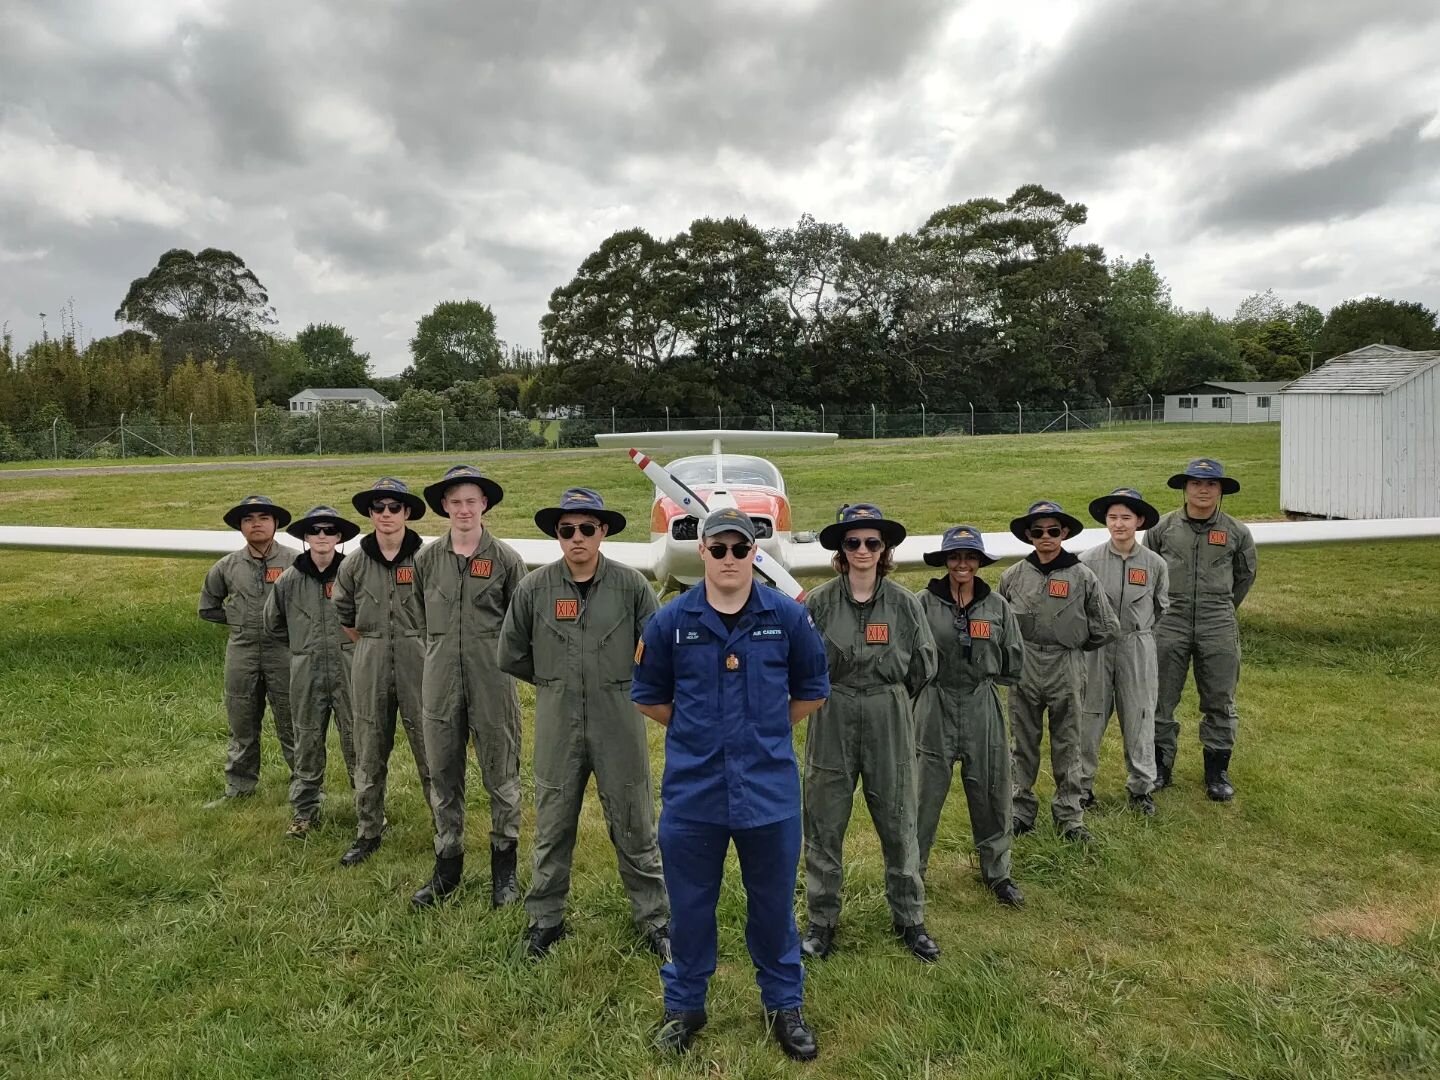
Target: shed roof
[[1240, 387], [1375, 369]]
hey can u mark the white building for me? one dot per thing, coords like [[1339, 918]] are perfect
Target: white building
[[1219, 402], [1361, 436], [309, 400]]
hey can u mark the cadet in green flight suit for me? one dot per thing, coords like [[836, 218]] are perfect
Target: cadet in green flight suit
[[1212, 566], [257, 664], [572, 631], [1121, 676], [881, 655], [300, 609], [958, 716], [467, 578], [1063, 613], [378, 603]]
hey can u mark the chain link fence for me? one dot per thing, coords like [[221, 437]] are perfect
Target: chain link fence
[[348, 430]]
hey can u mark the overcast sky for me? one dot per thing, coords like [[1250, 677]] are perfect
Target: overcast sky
[[368, 159]]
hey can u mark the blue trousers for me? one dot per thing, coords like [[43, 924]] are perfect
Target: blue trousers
[[693, 856]]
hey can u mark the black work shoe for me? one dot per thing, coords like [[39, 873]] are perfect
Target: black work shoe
[[1143, 804], [1008, 894], [1217, 777], [1020, 828], [444, 881], [819, 941], [504, 889], [793, 1034], [1164, 773], [360, 850], [1088, 800], [541, 938], [1078, 834], [657, 940], [678, 1029], [919, 942]]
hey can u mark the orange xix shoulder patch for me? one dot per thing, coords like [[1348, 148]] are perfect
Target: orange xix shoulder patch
[[1137, 576], [639, 651], [1219, 537], [877, 633], [980, 628], [404, 575], [272, 574], [567, 609], [1059, 589], [480, 567]]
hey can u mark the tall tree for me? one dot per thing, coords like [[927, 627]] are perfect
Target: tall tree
[[456, 342], [1375, 320], [330, 357]]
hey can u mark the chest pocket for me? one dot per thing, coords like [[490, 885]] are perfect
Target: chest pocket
[[439, 600], [615, 651]]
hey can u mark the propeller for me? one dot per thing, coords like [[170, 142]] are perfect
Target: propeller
[[767, 565]]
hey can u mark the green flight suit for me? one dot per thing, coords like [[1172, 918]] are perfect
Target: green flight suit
[[1062, 613], [1122, 676], [257, 664], [1212, 566], [959, 718], [881, 655], [380, 599], [300, 609], [577, 647], [466, 695]]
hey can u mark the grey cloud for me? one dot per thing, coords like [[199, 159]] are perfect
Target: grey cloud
[[1346, 186]]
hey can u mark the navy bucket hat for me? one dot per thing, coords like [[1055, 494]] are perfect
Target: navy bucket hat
[[317, 515], [1127, 497], [1205, 469], [861, 516], [387, 487], [579, 500], [257, 504], [1019, 527], [463, 474], [959, 538]]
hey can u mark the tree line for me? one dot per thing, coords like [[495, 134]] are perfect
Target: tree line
[[987, 302]]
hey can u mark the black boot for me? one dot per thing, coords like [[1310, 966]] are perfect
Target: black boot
[[1008, 893], [360, 850], [819, 941], [1143, 804], [918, 940], [444, 881], [657, 940], [1164, 771], [504, 889], [540, 939], [1217, 779], [678, 1029], [793, 1034]]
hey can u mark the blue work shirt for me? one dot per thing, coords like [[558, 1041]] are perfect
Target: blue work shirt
[[729, 754]]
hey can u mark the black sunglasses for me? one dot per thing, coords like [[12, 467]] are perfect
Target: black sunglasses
[[323, 530], [740, 550], [1051, 531], [586, 528], [383, 506], [872, 543]]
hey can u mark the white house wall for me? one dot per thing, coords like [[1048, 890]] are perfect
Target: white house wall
[[1244, 409], [1412, 447], [1332, 455]]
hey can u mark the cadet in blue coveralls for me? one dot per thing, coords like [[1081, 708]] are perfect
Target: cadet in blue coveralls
[[728, 669]]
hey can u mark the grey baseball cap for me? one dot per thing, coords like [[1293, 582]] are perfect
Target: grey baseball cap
[[728, 520]]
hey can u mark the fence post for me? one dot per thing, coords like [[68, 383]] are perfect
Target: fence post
[[499, 428], [382, 431], [612, 419], [319, 435], [872, 420], [1152, 407], [1109, 413], [719, 416], [972, 416], [122, 435], [255, 427], [822, 417], [1022, 417], [667, 417], [922, 419], [55, 436], [772, 416], [192, 434], [1067, 416], [442, 431]]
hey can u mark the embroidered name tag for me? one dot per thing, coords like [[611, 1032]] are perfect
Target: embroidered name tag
[[979, 628], [691, 637], [877, 633], [404, 575], [329, 590], [272, 574], [480, 567], [1059, 589], [1137, 577], [567, 609], [768, 633], [1218, 537]]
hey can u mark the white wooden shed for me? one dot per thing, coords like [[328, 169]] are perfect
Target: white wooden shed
[[1218, 402], [1360, 436]]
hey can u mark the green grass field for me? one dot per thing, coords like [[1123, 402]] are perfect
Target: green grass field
[[1292, 933]]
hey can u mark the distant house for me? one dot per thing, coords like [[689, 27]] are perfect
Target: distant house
[[1361, 436], [310, 400], [1219, 402]]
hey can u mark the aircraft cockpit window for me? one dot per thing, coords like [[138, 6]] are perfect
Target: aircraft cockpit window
[[739, 469]]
